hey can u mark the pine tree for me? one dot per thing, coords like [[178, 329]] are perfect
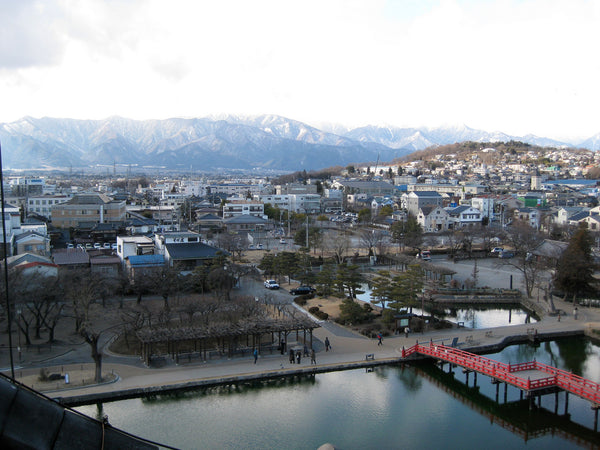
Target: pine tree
[[575, 268]]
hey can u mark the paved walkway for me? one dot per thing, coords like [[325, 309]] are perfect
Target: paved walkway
[[347, 347]]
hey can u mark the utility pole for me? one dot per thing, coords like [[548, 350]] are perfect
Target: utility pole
[[306, 230]]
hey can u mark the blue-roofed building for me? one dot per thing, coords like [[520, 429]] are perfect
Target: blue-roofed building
[[143, 265]]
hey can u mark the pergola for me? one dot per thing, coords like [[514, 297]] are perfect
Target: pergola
[[224, 338]]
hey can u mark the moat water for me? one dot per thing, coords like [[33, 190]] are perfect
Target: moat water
[[405, 406]]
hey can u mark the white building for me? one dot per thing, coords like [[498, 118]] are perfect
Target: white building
[[236, 208], [134, 245], [42, 204]]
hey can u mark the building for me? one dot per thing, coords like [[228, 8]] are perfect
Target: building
[[32, 242], [418, 199], [134, 246], [464, 216], [530, 216], [245, 223], [433, 218], [42, 204], [190, 255], [366, 187], [86, 208], [243, 207]]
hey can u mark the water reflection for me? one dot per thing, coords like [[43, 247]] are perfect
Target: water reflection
[[391, 407], [472, 316]]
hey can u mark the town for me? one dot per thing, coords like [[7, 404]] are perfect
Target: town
[[184, 269]]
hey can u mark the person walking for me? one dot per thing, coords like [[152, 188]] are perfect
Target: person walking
[[327, 344], [313, 357], [255, 355], [298, 357], [380, 339], [406, 331]]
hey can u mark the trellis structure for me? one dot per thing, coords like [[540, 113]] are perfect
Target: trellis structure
[[223, 338]]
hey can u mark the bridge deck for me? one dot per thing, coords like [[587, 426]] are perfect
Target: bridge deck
[[529, 376]]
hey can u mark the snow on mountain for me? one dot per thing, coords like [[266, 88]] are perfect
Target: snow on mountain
[[233, 142]]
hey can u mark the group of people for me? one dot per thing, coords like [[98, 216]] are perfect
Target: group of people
[[296, 356]]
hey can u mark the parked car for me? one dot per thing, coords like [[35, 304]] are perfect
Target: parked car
[[97, 246], [259, 246], [282, 241], [497, 250], [302, 290], [425, 255], [271, 284], [69, 245], [506, 255], [106, 245], [113, 246]]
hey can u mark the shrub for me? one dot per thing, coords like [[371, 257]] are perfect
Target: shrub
[[313, 309], [301, 301], [322, 315], [43, 374]]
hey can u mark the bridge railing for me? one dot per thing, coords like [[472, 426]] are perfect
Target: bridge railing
[[508, 372]]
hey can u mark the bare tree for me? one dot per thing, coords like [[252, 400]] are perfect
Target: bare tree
[[339, 246], [524, 239]]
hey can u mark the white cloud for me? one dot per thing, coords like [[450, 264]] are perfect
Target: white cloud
[[516, 66]]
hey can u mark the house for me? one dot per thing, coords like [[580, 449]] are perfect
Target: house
[[565, 213], [187, 256], [417, 199], [209, 221], [32, 265], [142, 266], [174, 237], [433, 218], [32, 242], [530, 216], [71, 258], [593, 222], [134, 246], [106, 265], [245, 223], [464, 216]]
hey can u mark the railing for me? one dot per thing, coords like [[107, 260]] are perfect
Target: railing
[[567, 381]]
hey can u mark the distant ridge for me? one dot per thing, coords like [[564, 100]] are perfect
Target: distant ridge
[[264, 143]]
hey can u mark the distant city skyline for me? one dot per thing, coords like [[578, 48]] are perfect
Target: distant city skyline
[[515, 66]]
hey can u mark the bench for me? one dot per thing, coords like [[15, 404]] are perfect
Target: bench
[[488, 334], [469, 339], [370, 357]]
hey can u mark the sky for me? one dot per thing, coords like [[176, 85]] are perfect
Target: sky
[[515, 66]]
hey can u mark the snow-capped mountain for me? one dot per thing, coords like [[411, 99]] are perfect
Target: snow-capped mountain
[[227, 142]]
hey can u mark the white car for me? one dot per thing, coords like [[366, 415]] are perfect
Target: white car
[[497, 250], [271, 284]]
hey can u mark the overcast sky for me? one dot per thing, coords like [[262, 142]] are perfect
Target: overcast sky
[[517, 66]]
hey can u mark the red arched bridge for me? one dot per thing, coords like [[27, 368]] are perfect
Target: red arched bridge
[[529, 376]]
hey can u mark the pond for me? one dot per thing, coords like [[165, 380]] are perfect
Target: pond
[[412, 407], [472, 316]]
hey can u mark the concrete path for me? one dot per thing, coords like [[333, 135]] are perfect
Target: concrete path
[[347, 348]]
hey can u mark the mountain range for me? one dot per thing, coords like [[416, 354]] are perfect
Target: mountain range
[[263, 143]]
